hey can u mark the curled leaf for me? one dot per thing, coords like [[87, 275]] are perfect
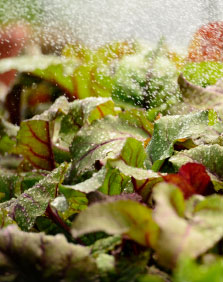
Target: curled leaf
[[192, 178], [122, 217]]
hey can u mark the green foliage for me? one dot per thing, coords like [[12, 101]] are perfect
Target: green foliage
[[170, 129], [105, 171], [203, 73], [119, 217]]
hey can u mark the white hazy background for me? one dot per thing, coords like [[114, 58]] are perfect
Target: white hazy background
[[98, 21]]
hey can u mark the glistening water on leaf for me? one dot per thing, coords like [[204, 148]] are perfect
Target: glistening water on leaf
[[110, 147]]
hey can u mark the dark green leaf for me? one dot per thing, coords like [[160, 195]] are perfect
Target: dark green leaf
[[34, 201], [170, 129]]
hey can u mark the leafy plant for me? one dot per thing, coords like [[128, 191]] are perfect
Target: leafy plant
[[98, 188]]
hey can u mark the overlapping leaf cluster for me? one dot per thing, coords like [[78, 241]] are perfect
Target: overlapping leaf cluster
[[102, 190]]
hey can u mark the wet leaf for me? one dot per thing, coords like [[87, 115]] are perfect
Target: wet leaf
[[147, 79], [34, 201], [103, 139], [34, 139], [13, 184], [127, 218], [189, 270], [8, 133], [58, 70], [40, 257], [186, 237], [211, 156], [192, 178], [142, 180], [202, 98], [203, 73], [84, 112], [170, 129]]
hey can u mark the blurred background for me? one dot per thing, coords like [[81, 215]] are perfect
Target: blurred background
[[98, 21]]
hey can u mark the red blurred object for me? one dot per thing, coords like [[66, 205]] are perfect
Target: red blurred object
[[13, 38], [192, 178], [207, 43]]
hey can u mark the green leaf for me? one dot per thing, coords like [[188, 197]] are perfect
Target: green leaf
[[94, 77], [84, 112], [203, 73], [138, 118], [142, 180], [170, 129], [115, 182], [35, 200], [8, 133], [106, 245], [13, 184], [34, 139], [5, 219], [127, 218], [191, 237], [89, 185], [147, 79], [101, 140], [40, 257], [69, 205], [58, 70], [190, 271], [202, 98]]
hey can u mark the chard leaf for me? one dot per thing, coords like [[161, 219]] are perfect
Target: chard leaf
[[122, 217], [101, 140], [72, 203], [84, 112], [122, 174], [190, 271], [211, 156], [52, 68], [186, 237], [34, 139], [202, 98], [192, 178], [106, 245], [114, 178], [40, 257], [117, 177], [8, 133], [142, 180], [35, 200], [94, 76], [108, 180], [170, 129], [89, 185], [138, 118], [203, 73], [147, 79], [115, 182], [5, 219], [12, 184]]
